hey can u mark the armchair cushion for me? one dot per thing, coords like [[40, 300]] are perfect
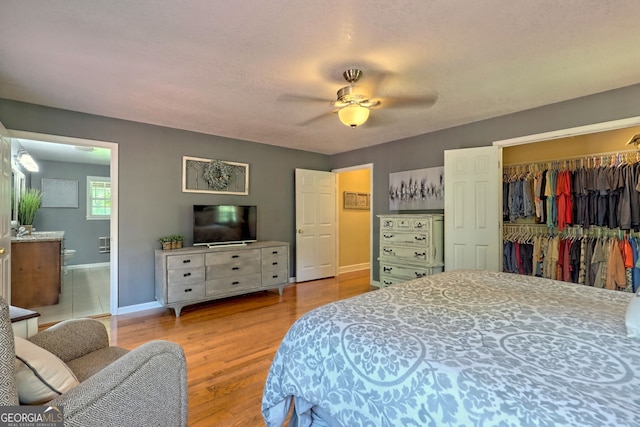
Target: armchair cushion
[[72, 338], [93, 362], [40, 375]]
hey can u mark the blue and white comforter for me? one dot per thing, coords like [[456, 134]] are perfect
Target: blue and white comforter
[[461, 348]]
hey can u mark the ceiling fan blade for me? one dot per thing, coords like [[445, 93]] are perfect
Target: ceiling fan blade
[[302, 98], [317, 118], [409, 101]]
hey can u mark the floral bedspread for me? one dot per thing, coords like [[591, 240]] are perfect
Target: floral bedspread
[[461, 348]]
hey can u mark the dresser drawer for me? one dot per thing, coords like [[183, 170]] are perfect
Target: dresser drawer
[[410, 238], [423, 255], [407, 272], [406, 224], [240, 256], [245, 282], [185, 292], [274, 277], [185, 275], [386, 280], [277, 262], [185, 261], [231, 269], [276, 251]]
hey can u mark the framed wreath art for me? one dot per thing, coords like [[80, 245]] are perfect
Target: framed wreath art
[[214, 176]]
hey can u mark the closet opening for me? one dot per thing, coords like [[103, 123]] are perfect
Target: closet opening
[[571, 205]]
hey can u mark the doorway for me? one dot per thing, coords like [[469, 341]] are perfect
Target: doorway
[[355, 223], [89, 276]]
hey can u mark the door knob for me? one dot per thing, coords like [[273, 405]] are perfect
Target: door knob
[[2, 251], [299, 230]]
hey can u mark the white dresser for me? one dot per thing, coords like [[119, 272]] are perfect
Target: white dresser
[[411, 246]]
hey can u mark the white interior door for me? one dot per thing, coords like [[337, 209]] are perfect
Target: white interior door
[[472, 205], [315, 224], [5, 215]]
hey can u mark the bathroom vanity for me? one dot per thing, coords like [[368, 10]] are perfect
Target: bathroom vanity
[[36, 267]]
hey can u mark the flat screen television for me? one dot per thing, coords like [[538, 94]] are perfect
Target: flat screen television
[[224, 224]]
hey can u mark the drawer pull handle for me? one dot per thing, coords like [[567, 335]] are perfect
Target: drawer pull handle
[[275, 276], [388, 236], [420, 254], [235, 283], [235, 256], [186, 275], [387, 251], [419, 275], [420, 238], [274, 263], [186, 261], [275, 252], [386, 269], [188, 290], [236, 268]]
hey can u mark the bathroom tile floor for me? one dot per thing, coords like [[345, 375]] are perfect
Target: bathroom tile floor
[[85, 293]]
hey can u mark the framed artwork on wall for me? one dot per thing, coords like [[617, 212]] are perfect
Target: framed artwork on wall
[[419, 189], [59, 193], [356, 200], [215, 176]]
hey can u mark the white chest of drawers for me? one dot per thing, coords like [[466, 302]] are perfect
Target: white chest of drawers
[[196, 274], [411, 246]]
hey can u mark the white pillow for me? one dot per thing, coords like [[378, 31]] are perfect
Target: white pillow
[[632, 319], [40, 375]]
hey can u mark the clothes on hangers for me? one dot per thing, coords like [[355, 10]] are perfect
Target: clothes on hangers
[[604, 196], [603, 262]]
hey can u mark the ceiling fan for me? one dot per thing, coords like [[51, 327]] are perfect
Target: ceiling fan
[[353, 104]]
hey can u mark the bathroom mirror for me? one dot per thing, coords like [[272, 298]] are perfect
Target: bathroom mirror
[[18, 184]]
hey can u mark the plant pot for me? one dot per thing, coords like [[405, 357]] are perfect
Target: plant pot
[[166, 245], [174, 245], [178, 244], [28, 228]]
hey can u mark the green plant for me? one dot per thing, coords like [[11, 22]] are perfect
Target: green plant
[[165, 239], [178, 237], [30, 202]]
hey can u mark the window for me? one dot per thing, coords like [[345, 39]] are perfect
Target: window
[[98, 197]]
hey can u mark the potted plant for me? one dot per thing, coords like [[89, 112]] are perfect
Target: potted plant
[[177, 241], [30, 202], [166, 241]]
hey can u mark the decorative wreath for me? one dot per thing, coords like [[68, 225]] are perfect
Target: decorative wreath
[[218, 174]]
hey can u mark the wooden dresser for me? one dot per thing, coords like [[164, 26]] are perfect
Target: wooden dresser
[[411, 246], [196, 274]]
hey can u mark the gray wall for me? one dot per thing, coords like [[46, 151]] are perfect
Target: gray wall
[[80, 234], [151, 202], [428, 150]]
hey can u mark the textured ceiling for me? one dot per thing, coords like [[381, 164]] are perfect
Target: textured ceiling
[[234, 68]]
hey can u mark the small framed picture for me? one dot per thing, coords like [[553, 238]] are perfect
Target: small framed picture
[[356, 200]]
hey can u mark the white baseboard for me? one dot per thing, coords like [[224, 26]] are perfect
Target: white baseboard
[[93, 265], [138, 307], [354, 267]]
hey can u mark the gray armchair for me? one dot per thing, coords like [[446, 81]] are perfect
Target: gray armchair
[[143, 387]]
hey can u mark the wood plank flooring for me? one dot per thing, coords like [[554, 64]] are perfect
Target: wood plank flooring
[[229, 344]]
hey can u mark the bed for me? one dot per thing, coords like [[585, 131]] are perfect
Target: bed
[[460, 348]]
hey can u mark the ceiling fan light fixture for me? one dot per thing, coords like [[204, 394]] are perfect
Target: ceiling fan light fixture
[[353, 115]]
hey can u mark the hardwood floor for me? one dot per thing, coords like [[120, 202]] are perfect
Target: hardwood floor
[[229, 344]]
